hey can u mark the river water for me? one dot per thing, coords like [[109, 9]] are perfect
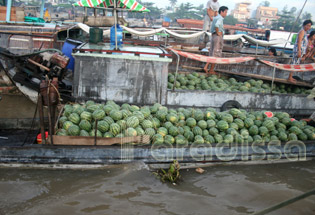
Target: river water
[[133, 189]]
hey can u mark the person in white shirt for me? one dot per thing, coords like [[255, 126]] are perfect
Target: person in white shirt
[[212, 11]]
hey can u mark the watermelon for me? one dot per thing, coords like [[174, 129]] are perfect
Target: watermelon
[[181, 123], [263, 131], [85, 125], [222, 125], [77, 109], [197, 130], [198, 115], [161, 115], [202, 124], [269, 124], [67, 124], [92, 108], [191, 122], [157, 139], [114, 129], [108, 109], [209, 139], [189, 135], [150, 132], [74, 118], [132, 122], [86, 115], [98, 114], [131, 132], [116, 115], [209, 115], [168, 125], [227, 117], [168, 139], [268, 114], [213, 131], [134, 108], [122, 124], [233, 125], [234, 112], [108, 134], [147, 124], [156, 122], [253, 130], [248, 122], [283, 136], [62, 120], [84, 133], [295, 130], [302, 136], [172, 118], [218, 138], [292, 136], [163, 131], [199, 140], [211, 123], [140, 131], [61, 132], [125, 113], [228, 138], [239, 123], [173, 130], [180, 140], [73, 130], [109, 120]]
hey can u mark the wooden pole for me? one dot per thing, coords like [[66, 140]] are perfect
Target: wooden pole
[[41, 118]]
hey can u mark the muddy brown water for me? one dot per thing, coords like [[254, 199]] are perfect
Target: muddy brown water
[[133, 189]]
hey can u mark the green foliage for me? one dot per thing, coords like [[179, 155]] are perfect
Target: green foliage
[[230, 20], [188, 11]]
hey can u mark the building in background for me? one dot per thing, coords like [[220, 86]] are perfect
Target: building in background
[[241, 11], [266, 15]]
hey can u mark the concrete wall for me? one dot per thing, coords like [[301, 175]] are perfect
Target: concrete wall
[[121, 78], [293, 104]]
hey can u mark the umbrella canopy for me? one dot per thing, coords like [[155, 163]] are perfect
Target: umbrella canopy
[[132, 5]]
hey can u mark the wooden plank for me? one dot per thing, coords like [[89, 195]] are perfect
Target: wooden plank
[[267, 78], [100, 141]]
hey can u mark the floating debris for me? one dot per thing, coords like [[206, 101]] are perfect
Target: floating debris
[[172, 174]]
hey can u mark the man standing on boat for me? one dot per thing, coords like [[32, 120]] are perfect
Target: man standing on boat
[[212, 11], [217, 32]]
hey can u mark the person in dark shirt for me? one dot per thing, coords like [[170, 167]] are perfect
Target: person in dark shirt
[[272, 52]]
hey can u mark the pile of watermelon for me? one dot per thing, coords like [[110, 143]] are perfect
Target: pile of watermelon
[[182, 125], [195, 81]]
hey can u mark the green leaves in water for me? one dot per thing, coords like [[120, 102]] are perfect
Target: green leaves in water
[[171, 175]]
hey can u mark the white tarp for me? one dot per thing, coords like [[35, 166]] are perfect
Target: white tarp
[[250, 39], [184, 36], [264, 42], [143, 33]]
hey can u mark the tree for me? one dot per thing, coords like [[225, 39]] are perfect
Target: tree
[[173, 3], [306, 16], [155, 12], [287, 20], [187, 11], [230, 20], [265, 3]]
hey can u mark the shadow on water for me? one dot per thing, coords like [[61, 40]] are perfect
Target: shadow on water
[[133, 189]]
